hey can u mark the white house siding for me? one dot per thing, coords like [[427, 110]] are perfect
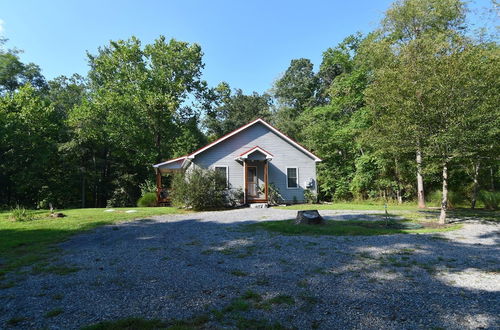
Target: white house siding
[[284, 155]]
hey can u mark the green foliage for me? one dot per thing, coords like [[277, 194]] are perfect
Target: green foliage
[[418, 82], [310, 197], [15, 74], [455, 198], [147, 200], [148, 186], [20, 213], [234, 110], [341, 228], [202, 189], [54, 312], [490, 199], [27, 242], [134, 115], [273, 195], [294, 91], [128, 324]]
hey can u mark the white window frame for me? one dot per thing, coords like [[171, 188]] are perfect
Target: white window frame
[[227, 173], [297, 178]]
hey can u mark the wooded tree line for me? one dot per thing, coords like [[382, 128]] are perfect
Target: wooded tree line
[[405, 110]]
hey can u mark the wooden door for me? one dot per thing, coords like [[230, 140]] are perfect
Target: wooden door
[[252, 190]]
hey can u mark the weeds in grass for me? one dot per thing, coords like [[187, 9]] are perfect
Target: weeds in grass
[[320, 271], [244, 323], [237, 272], [262, 281], [128, 323], [21, 214], [16, 320], [249, 251], [53, 313], [58, 270], [303, 283], [282, 299], [340, 228], [252, 295], [6, 285], [237, 305]]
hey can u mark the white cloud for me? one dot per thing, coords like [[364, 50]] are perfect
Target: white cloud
[[1, 26]]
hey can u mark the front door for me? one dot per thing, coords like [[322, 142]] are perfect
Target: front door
[[252, 187]]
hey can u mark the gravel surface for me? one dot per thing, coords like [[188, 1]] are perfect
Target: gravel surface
[[183, 266]]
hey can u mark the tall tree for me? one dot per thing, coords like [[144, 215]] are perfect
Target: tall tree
[[408, 26], [28, 149], [14, 73], [236, 109], [294, 91], [136, 106], [427, 90]]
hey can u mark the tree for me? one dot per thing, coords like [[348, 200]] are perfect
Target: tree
[[136, 106], [411, 26], [236, 109], [294, 91], [429, 91], [331, 130], [28, 149], [14, 73], [336, 61]]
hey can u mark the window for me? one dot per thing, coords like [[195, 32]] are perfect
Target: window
[[292, 177], [224, 172]]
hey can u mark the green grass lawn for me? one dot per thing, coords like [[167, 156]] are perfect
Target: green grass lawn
[[407, 210], [25, 243], [351, 206], [345, 228]]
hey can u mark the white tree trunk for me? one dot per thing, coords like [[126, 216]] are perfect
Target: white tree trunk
[[444, 200], [420, 181], [475, 186], [399, 193]]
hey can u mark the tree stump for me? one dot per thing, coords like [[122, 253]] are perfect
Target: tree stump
[[309, 217]]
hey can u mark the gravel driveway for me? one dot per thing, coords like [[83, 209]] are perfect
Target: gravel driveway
[[183, 266]]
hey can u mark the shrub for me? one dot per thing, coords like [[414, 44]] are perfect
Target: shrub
[[454, 198], [19, 213], [234, 197], [149, 186], [203, 189], [147, 200], [273, 195], [125, 192], [490, 199], [310, 197]]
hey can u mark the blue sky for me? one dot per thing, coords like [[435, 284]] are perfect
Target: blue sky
[[246, 43]]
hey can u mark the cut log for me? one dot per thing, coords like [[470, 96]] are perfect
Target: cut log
[[309, 217]]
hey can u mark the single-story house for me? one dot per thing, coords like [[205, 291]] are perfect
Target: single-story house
[[252, 157]]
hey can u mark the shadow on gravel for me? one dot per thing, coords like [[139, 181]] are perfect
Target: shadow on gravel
[[181, 269]]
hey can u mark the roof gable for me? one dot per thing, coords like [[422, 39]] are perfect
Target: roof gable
[[229, 135], [266, 124], [255, 149]]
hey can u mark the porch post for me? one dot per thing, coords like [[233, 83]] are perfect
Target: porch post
[[158, 186], [266, 177], [245, 179]]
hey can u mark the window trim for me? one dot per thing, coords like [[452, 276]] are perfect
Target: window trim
[[297, 177], [227, 173]]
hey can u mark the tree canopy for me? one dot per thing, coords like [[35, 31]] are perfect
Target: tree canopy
[[406, 111]]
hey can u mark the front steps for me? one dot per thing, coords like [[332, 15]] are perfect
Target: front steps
[[258, 205]]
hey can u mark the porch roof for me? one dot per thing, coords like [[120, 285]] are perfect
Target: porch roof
[[250, 151]]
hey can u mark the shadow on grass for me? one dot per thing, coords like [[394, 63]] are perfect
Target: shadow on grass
[[180, 269]]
